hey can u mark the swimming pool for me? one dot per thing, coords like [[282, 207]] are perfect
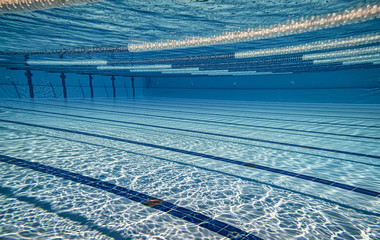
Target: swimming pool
[[153, 168], [189, 119]]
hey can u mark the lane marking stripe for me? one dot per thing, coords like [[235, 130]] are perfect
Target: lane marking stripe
[[237, 162], [199, 219]]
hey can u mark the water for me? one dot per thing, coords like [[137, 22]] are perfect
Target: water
[[167, 150], [236, 120], [110, 23]]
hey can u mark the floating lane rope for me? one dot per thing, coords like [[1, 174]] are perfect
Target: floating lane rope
[[10, 6], [294, 26]]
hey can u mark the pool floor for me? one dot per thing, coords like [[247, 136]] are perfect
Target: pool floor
[[165, 168]]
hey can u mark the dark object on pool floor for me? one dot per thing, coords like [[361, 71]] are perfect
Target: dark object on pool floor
[[153, 202]]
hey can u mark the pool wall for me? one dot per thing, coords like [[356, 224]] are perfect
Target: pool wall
[[14, 84], [353, 86]]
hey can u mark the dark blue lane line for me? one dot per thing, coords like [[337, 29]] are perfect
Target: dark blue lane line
[[237, 162], [231, 108], [240, 116], [219, 172], [363, 211], [185, 130], [223, 115], [290, 129], [179, 129], [240, 105], [196, 218], [255, 145], [210, 121], [195, 120], [244, 104]]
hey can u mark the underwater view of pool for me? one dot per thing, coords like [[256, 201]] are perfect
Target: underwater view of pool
[[190, 169], [189, 119]]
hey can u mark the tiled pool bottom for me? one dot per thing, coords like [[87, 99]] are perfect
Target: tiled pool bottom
[[188, 169]]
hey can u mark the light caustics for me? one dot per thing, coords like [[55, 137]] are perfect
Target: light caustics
[[290, 27], [8, 6]]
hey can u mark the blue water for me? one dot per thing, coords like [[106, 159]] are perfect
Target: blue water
[[266, 170], [113, 23], [203, 142]]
